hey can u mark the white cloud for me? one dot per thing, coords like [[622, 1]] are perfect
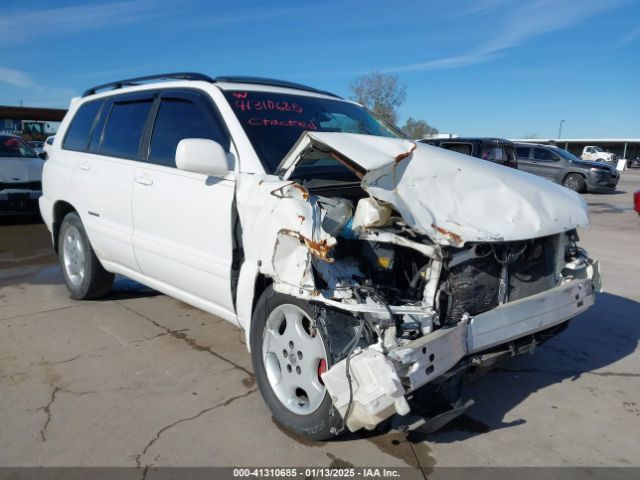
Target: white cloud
[[630, 37], [21, 25], [15, 77], [524, 22]]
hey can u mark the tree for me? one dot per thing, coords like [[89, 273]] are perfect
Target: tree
[[530, 135], [418, 128], [380, 92]]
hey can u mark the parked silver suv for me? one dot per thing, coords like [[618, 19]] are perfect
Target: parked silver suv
[[560, 166]]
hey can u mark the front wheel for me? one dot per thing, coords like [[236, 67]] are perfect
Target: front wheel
[[83, 273], [289, 351], [575, 182]]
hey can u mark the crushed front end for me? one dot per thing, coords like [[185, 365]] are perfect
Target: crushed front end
[[428, 280]]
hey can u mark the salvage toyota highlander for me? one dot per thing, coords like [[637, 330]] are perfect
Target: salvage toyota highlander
[[363, 267]]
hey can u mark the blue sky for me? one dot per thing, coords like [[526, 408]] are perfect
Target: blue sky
[[490, 67]]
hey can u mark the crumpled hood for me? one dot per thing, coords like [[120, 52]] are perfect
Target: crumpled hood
[[18, 170], [450, 197]]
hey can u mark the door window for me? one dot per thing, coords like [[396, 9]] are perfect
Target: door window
[[523, 152], [77, 136], [124, 128], [465, 148], [543, 155], [494, 154], [178, 119]]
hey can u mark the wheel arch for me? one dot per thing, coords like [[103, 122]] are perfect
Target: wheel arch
[[251, 284], [574, 172], [60, 209]]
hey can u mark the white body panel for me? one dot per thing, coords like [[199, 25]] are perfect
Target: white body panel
[[102, 188], [182, 230]]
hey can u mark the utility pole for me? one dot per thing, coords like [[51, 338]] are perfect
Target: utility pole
[[560, 129]]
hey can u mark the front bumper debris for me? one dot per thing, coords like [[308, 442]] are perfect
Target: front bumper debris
[[379, 382]]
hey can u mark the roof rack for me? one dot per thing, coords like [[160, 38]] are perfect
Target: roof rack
[[271, 82], [199, 76], [138, 80]]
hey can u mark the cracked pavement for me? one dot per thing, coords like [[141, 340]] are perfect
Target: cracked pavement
[[140, 379]]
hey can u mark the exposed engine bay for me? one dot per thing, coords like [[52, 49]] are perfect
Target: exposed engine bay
[[424, 297]]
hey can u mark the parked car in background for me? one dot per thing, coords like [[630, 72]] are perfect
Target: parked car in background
[[496, 150], [596, 154], [361, 265], [47, 146], [560, 166], [20, 176], [636, 201], [37, 146]]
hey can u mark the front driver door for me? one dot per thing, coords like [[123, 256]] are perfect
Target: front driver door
[[548, 164], [182, 220]]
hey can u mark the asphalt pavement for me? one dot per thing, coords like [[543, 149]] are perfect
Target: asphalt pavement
[[140, 379]]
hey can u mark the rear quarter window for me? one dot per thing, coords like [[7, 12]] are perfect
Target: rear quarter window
[[77, 136]]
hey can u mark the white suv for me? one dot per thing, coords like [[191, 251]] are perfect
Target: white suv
[[362, 266]]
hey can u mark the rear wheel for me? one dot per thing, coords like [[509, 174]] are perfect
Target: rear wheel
[[83, 274], [289, 351], [575, 182]]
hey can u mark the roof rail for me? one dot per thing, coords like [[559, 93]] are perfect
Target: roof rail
[[138, 80], [199, 76], [271, 82]]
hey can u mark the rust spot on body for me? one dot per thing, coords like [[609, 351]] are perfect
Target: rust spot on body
[[282, 193], [457, 239], [317, 249], [404, 155], [305, 192]]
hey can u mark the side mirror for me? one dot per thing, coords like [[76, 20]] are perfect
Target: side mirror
[[200, 155], [43, 155]]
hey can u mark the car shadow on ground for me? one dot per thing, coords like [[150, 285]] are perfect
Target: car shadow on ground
[[124, 289], [592, 343], [608, 192]]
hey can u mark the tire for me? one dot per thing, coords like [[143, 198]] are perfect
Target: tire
[[83, 273], [287, 361], [575, 182]]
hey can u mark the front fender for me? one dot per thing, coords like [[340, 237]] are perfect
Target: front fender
[[245, 297]]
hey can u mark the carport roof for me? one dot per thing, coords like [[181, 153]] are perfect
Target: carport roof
[[32, 113]]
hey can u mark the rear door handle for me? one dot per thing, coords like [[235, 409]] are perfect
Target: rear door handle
[[144, 180], [84, 166]]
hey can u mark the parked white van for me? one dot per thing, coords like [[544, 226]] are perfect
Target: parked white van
[[362, 266]]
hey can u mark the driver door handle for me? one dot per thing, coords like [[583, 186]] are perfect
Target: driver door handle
[[84, 166], [144, 180]]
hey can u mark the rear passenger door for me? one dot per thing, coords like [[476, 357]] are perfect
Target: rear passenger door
[[525, 163], [103, 174], [183, 220]]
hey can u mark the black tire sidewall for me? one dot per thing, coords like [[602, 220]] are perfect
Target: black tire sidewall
[[580, 183], [325, 420]]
